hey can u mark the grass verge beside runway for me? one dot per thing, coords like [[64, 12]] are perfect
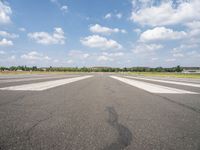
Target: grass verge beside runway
[[34, 72], [165, 74]]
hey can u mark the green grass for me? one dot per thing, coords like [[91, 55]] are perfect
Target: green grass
[[166, 74], [157, 74], [34, 72]]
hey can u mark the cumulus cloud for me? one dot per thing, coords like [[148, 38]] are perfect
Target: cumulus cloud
[[162, 33], [113, 15], [8, 35], [34, 56], [104, 58], [64, 8], [146, 48], [105, 30], [5, 42], [57, 37], [5, 12], [96, 41], [107, 16], [193, 25], [167, 13]]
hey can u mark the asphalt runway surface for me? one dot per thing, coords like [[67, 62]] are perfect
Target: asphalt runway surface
[[98, 112]]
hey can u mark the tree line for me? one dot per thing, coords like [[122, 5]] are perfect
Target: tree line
[[92, 69]]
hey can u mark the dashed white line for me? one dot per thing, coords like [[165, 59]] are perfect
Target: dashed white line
[[162, 81], [152, 88], [43, 85]]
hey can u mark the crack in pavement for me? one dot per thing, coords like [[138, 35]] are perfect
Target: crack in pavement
[[124, 134], [37, 123]]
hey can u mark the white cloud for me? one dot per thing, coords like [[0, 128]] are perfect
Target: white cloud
[[57, 37], [193, 54], [104, 58], [2, 52], [96, 41], [86, 55], [13, 57], [55, 60], [116, 54], [162, 33], [70, 61], [22, 29], [170, 60], [108, 16], [193, 24], [178, 55], [177, 52], [119, 15], [166, 13], [146, 48], [105, 30], [8, 35], [34, 56], [5, 42], [64, 8], [154, 58], [184, 52], [5, 12], [138, 31]]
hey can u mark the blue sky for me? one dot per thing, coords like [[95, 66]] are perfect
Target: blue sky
[[116, 33]]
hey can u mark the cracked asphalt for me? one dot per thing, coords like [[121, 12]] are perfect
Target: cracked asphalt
[[98, 113]]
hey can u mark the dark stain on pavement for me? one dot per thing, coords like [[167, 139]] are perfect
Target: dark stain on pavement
[[124, 134]]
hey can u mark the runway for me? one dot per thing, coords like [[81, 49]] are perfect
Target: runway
[[99, 111]]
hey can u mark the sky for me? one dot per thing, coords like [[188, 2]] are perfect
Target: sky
[[114, 33]]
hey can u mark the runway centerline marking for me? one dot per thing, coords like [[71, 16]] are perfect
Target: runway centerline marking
[[44, 85], [163, 81], [152, 88]]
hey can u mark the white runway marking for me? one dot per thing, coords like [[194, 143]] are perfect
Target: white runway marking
[[152, 88], [32, 79], [162, 81], [44, 85]]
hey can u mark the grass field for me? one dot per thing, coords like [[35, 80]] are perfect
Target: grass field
[[166, 74], [34, 72], [157, 74]]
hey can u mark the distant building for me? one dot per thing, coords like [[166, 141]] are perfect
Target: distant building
[[191, 70]]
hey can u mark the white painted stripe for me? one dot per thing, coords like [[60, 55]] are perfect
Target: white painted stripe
[[32, 79], [44, 85], [152, 88], [164, 81]]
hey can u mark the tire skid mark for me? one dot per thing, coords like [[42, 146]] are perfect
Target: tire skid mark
[[124, 134]]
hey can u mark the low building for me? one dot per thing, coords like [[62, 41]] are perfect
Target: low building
[[191, 70]]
